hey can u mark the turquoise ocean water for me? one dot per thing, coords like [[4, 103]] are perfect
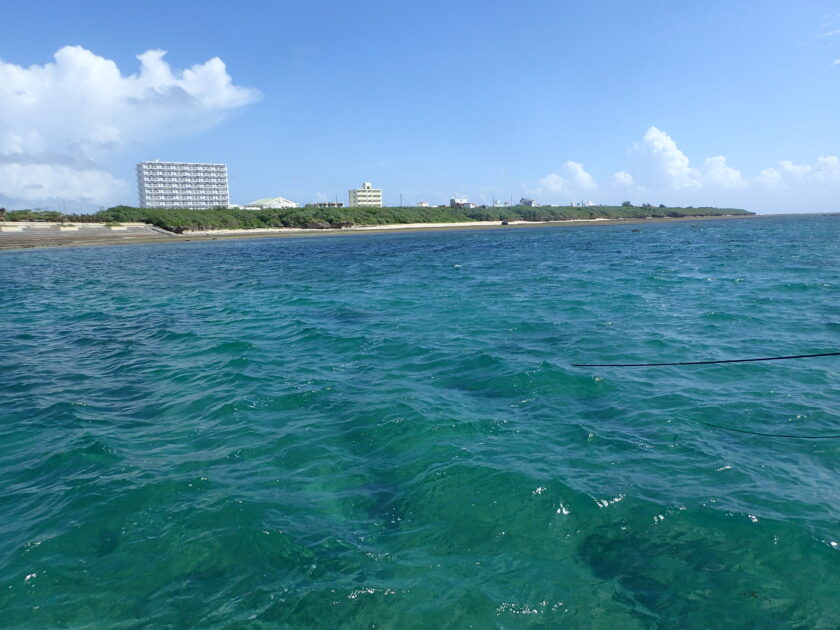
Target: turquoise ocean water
[[384, 431]]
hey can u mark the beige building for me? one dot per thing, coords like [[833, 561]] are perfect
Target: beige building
[[365, 197]]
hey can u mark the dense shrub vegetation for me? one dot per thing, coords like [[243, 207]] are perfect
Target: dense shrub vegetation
[[178, 220], [34, 215]]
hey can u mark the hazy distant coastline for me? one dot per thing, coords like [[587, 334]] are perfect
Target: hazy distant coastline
[[99, 234]]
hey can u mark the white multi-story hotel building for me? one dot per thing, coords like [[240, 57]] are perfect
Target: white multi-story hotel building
[[182, 185], [365, 197]]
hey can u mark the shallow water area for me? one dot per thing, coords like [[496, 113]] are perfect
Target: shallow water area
[[386, 430]]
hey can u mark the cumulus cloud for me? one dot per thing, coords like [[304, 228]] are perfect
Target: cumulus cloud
[[665, 164], [662, 173], [622, 179], [59, 119], [44, 179], [825, 171], [719, 174], [573, 182]]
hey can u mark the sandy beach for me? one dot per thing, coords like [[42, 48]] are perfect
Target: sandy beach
[[54, 238]]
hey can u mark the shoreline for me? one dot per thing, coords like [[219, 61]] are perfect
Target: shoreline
[[7, 243]]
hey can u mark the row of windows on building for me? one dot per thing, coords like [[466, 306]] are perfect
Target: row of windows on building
[[185, 186], [159, 168], [170, 196], [197, 178]]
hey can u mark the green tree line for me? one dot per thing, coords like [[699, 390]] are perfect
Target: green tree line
[[179, 220]]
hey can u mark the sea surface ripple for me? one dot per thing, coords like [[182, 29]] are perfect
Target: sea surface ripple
[[385, 431]]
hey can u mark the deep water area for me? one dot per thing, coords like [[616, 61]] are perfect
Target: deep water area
[[386, 430]]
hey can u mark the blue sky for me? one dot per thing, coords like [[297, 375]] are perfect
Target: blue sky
[[727, 103]]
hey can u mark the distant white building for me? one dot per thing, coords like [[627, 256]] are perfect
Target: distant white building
[[271, 203], [458, 202], [423, 204], [528, 203], [189, 185], [365, 197]]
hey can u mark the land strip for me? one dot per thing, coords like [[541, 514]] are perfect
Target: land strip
[[87, 236]]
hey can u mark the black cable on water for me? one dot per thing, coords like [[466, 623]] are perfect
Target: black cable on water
[[718, 426], [795, 356], [772, 435]]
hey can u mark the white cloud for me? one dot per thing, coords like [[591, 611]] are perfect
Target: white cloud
[[827, 168], [836, 62], [58, 119], [622, 179], [769, 178], [799, 187], [720, 175], [665, 163], [662, 173], [573, 182], [825, 171], [46, 181]]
